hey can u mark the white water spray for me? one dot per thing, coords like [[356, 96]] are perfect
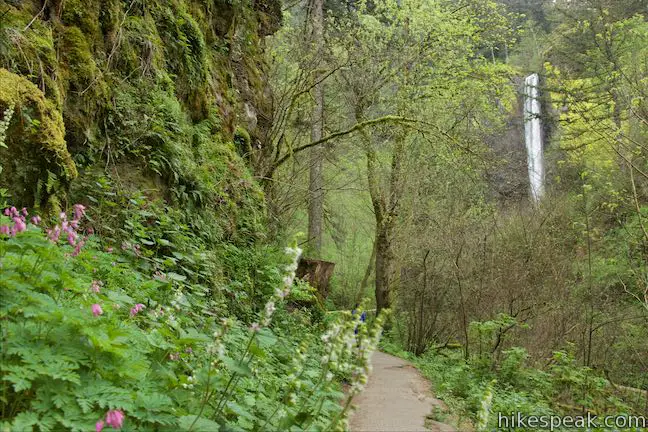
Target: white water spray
[[533, 136]]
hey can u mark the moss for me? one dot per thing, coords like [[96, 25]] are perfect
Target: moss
[[37, 155], [243, 142], [84, 15], [31, 53], [140, 82]]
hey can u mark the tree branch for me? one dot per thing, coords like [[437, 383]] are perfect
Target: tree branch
[[354, 128]]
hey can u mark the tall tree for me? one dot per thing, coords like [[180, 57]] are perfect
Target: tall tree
[[316, 178]]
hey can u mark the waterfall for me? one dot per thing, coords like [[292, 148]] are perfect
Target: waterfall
[[533, 136]]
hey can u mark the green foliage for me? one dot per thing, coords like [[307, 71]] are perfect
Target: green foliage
[[35, 151], [88, 332]]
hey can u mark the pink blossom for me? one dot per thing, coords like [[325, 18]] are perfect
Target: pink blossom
[[13, 212], [4, 229], [71, 238], [136, 309], [7, 212], [115, 419], [99, 426], [77, 248], [19, 224], [96, 286], [24, 211], [79, 211], [54, 234], [62, 216], [96, 310], [36, 220], [109, 250]]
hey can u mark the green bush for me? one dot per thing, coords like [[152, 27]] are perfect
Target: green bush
[[90, 339]]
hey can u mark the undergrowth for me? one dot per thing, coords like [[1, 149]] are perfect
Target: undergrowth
[[97, 336]]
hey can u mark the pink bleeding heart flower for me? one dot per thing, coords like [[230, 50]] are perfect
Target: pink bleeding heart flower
[[115, 419], [19, 224], [99, 426], [36, 220], [4, 229], [136, 309], [96, 310], [79, 211], [96, 286], [54, 234]]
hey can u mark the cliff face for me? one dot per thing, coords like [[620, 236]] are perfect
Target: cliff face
[[164, 95]]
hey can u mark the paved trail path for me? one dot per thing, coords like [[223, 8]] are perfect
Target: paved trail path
[[396, 398]]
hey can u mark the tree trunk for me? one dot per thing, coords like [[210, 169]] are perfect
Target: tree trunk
[[316, 180], [383, 269]]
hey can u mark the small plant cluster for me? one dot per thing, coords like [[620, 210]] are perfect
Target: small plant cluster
[[19, 221], [92, 341], [4, 125]]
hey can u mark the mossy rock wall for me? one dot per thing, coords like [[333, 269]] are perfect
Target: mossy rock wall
[[36, 159], [158, 86]]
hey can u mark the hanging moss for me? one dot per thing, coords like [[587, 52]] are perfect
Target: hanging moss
[[37, 159]]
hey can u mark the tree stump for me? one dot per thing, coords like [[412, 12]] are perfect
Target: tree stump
[[317, 273]]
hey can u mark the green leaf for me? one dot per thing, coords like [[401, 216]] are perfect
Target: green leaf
[[237, 367], [189, 423], [24, 421], [176, 277]]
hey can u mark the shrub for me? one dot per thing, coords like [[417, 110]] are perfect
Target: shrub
[[89, 340]]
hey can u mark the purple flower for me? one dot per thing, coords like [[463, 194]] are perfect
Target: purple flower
[[136, 309], [96, 286], [99, 426], [24, 211], [77, 248], [4, 229], [19, 224], [71, 238], [36, 220], [115, 419], [79, 211], [54, 234], [96, 310], [7, 212]]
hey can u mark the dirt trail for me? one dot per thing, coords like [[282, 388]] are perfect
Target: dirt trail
[[396, 398]]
